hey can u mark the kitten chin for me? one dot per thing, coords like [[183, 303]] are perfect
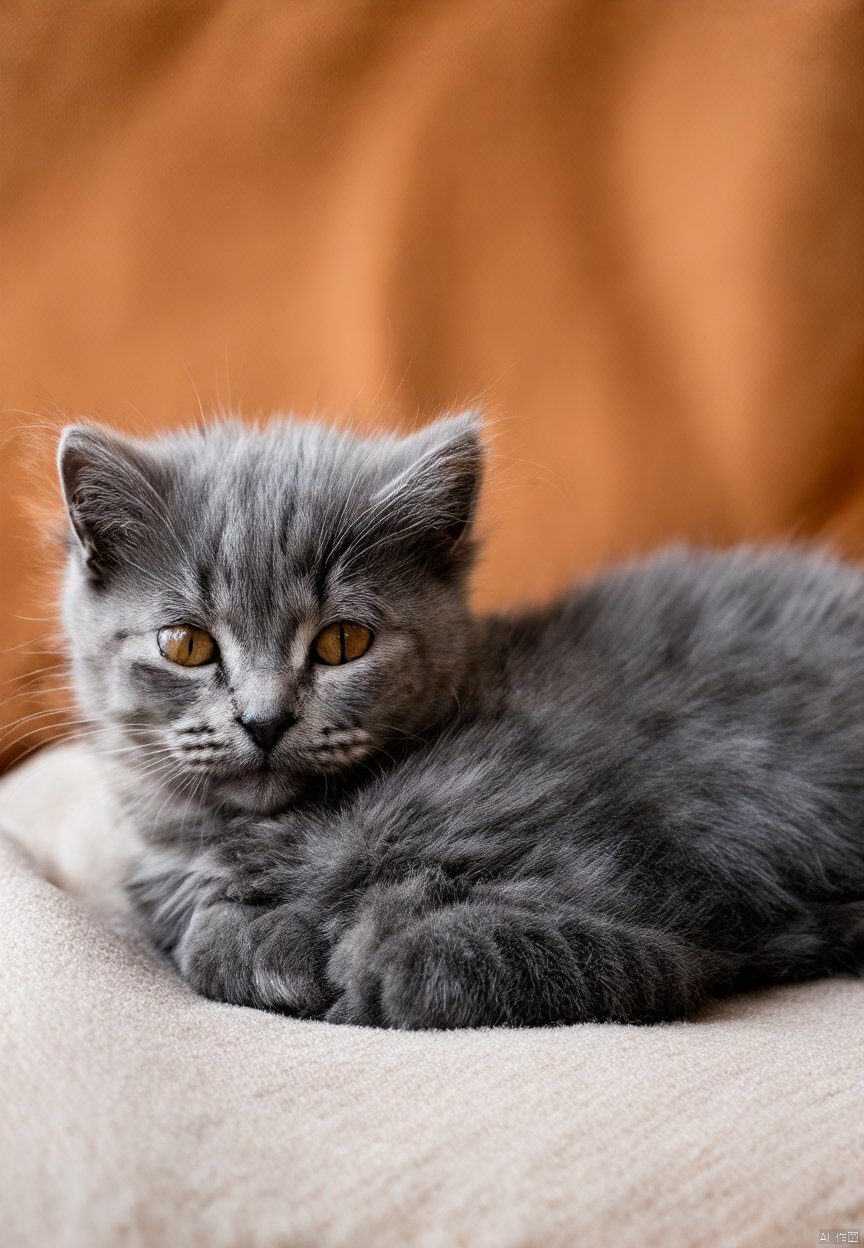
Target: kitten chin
[[266, 793]]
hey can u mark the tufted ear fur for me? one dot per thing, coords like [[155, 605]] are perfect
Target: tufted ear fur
[[110, 496], [431, 499]]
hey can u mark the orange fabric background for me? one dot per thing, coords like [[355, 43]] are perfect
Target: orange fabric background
[[633, 229]]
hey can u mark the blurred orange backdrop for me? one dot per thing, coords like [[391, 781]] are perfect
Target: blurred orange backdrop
[[633, 230]]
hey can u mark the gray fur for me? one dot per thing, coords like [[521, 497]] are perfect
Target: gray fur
[[649, 792]]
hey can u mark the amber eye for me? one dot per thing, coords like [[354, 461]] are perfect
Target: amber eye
[[342, 642], [188, 646]]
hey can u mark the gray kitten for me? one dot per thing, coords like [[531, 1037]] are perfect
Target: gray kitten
[[362, 804]]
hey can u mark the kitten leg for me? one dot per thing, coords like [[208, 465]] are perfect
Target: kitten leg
[[478, 964], [264, 956]]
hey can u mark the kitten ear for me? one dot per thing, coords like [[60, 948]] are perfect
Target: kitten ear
[[433, 497], [107, 491]]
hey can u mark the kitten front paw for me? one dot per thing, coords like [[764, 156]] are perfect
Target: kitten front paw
[[438, 972], [255, 956]]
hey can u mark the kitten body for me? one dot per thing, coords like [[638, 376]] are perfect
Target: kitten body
[[611, 808]]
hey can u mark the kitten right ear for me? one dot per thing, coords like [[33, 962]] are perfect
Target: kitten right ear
[[107, 492]]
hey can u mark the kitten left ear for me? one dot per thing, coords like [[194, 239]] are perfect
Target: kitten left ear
[[434, 496]]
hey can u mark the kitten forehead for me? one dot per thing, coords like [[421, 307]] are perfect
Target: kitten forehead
[[263, 515], [263, 482]]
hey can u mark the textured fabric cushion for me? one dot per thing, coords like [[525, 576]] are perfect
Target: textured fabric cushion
[[633, 229], [136, 1113]]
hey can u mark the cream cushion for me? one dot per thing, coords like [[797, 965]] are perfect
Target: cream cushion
[[134, 1112]]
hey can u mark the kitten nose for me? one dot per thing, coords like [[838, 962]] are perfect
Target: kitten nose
[[266, 732]]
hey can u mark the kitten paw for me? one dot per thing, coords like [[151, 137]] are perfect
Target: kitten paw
[[251, 955], [440, 972]]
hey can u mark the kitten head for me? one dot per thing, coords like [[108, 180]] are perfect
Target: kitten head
[[247, 609]]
